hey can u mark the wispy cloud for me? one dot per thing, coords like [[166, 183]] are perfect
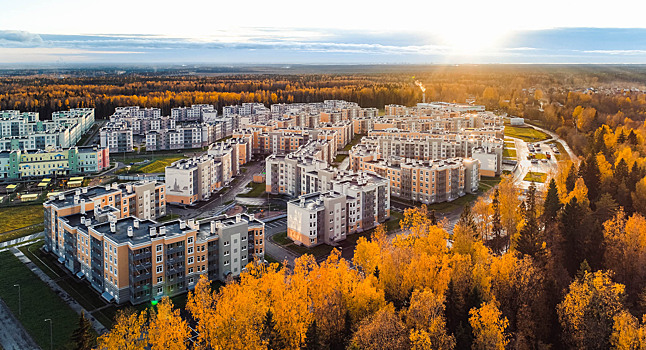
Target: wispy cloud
[[276, 45]]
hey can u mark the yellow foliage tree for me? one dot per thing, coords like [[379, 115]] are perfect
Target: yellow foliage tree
[[489, 327], [130, 331], [167, 329]]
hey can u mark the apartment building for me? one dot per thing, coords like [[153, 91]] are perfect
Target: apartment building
[[195, 113], [427, 181], [284, 172], [117, 137], [19, 164], [24, 130], [129, 259], [191, 180], [357, 202], [145, 200]]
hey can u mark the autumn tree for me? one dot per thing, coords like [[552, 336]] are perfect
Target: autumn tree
[[129, 332], [489, 327], [627, 332], [425, 319], [530, 241], [167, 330], [384, 330], [587, 312]]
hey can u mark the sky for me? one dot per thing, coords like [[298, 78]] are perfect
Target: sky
[[326, 32]]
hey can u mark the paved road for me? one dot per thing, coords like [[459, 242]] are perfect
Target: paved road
[[218, 200], [13, 335], [276, 251]]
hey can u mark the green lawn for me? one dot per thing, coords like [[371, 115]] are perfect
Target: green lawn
[[540, 156], [525, 133], [168, 217], [355, 141], [158, 166], [509, 153], [12, 218], [257, 190], [25, 231], [281, 238], [535, 177], [38, 303], [340, 157]]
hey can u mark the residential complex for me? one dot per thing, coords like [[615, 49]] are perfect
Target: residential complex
[[128, 257], [19, 164], [187, 127], [351, 203], [25, 131]]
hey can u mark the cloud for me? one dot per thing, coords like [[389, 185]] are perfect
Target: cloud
[[19, 37]]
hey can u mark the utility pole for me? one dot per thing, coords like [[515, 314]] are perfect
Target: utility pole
[[51, 334], [19, 300]]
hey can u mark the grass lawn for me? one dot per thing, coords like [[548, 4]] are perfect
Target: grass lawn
[[26, 231], [535, 177], [257, 190], [38, 303], [509, 153], [158, 166], [563, 153], [355, 141], [12, 218], [281, 238], [510, 144], [526, 134], [540, 156], [340, 157]]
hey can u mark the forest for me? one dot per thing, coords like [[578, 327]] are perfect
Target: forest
[[555, 269]]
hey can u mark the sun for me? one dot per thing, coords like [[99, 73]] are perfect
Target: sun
[[472, 39]]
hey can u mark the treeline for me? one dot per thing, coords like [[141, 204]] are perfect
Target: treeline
[[548, 94]]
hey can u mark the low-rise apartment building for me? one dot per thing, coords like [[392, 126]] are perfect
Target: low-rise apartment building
[[18, 164], [117, 137], [357, 202], [129, 259], [194, 179]]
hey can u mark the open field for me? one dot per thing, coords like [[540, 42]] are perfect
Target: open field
[[12, 218], [509, 153], [158, 166], [526, 134], [535, 177], [340, 157], [38, 303]]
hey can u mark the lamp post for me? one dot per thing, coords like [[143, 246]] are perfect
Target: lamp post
[[19, 300], [51, 333]]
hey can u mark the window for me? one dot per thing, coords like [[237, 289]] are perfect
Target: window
[[190, 270], [190, 240], [159, 258], [160, 279], [160, 290], [159, 247], [190, 260], [190, 280], [160, 268], [190, 250], [226, 263]]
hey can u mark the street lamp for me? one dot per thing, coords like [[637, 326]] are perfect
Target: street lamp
[[19, 300], [51, 334]]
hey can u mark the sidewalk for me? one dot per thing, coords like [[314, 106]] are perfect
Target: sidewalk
[[100, 329], [13, 335], [25, 239]]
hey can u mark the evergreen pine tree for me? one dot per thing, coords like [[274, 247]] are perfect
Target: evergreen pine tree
[[270, 334], [529, 241], [632, 137], [622, 137], [312, 337], [621, 171], [592, 177], [82, 336], [552, 204], [573, 235]]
